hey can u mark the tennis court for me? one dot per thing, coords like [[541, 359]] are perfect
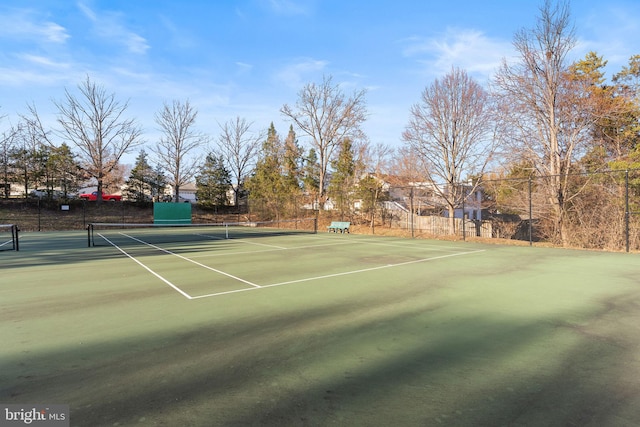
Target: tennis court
[[246, 326]]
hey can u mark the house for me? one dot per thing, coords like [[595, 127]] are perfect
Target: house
[[187, 192]]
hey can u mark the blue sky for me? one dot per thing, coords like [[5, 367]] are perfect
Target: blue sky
[[249, 57]]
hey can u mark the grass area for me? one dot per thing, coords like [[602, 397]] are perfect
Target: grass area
[[342, 330]]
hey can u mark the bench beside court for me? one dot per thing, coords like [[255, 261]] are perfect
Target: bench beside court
[[341, 226]]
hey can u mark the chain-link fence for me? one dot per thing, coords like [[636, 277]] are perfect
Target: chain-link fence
[[596, 210], [593, 211], [50, 215]]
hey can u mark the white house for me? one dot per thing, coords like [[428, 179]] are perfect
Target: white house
[[187, 192]]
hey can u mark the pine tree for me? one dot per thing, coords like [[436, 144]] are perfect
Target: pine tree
[[214, 182], [65, 169], [158, 183], [311, 176], [292, 162], [267, 185], [139, 185], [342, 178]]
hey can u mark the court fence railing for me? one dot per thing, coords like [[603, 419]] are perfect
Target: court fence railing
[[597, 210]]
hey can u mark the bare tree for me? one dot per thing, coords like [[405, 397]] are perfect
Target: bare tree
[[95, 124], [30, 156], [328, 117], [377, 158], [7, 149], [174, 150], [449, 131], [239, 147], [546, 113]]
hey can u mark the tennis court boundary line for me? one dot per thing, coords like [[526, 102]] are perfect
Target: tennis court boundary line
[[253, 285], [199, 264], [163, 279], [344, 273], [183, 293]]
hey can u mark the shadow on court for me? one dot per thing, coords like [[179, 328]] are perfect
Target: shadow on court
[[408, 355]]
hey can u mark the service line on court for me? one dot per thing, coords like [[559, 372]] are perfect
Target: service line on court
[[345, 273], [274, 248], [241, 241], [183, 293], [192, 261], [291, 248], [407, 245]]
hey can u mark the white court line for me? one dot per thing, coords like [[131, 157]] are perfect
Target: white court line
[[346, 273], [241, 241], [407, 245], [333, 243], [230, 253], [192, 261], [148, 269]]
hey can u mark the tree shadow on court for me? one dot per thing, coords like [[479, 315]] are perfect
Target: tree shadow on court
[[396, 359]]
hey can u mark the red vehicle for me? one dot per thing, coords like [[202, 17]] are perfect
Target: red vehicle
[[94, 196]]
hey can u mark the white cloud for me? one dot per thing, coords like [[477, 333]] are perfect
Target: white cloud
[[611, 32], [54, 33], [243, 67], [109, 27], [468, 49], [25, 25], [290, 7], [297, 74], [180, 38], [44, 61]]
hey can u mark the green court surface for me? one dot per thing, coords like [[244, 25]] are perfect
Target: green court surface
[[319, 329]]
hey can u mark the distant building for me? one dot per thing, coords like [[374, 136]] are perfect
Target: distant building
[[187, 192]]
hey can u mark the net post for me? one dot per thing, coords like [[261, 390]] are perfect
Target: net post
[[14, 234], [89, 234]]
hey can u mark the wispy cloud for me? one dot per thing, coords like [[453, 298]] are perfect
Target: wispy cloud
[[244, 68], [611, 31], [23, 24], [469, 49], [291, 7], [296, 74], [44, 61], [179, 37], [108, 26]]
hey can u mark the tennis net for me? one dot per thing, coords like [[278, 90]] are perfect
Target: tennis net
[[100, 234], [9, 237]]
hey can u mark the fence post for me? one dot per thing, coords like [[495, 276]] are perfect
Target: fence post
[[411, 209], [530, 215], [626, 208], [464, 228]]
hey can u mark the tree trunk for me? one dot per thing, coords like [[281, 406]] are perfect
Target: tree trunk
[[452, 220]]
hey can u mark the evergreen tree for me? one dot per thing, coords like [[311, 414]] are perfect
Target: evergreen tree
[[214, 182], [139, 185], [267, 185], [65, 170], [292, 162], [311, 176], [158, 183], [342, 178]]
